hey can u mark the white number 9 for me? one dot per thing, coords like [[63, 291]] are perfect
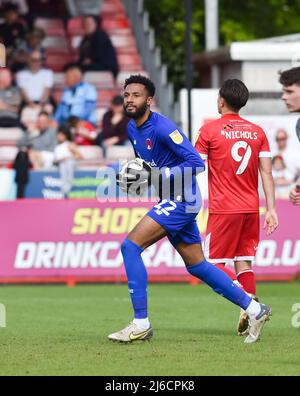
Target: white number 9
[[238, 158]]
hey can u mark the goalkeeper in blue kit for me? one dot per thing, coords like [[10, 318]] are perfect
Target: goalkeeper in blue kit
[[165, 157]]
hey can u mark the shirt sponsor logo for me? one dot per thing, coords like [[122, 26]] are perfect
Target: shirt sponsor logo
[[176, 137]]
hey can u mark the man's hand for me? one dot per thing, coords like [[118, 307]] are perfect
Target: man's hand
[[271, 221], [295, 195]]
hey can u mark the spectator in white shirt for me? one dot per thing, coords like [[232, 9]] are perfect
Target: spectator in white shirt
[[288, 153], [35, 83], [65, 155], [283, 178]]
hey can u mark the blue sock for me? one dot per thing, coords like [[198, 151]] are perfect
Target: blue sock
[[220, 283], [137, 278]]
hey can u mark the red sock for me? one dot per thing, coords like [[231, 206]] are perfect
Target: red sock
[[247, 280], [227, 271]]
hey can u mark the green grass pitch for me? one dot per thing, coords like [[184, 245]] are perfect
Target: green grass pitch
[[56, 330]]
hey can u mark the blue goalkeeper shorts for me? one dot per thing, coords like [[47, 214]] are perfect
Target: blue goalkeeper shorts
[[179, 220]]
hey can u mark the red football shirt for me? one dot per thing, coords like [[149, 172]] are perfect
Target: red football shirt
[[232, 147]]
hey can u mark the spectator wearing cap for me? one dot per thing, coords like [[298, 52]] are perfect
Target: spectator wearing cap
[[96, 52], [78, 99], [10, 100], [114, 125]]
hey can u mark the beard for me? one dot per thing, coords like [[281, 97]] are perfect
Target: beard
[[138, 113]]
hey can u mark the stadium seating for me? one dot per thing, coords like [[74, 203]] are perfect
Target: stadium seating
[[57, 61], [75, 44], [9, 136], [92, 156], [105, 97], [52, 27], [59, 80], [111, 24], [99, 115], [111, 7], [117, 153], [124, 44], [7, 154], [74, 27], [56, 44], [101, 80], [131, 62]]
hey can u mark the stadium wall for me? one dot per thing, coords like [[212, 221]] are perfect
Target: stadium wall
[[72, 241]]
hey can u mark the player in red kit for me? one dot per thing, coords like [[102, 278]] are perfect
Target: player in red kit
[[236, 150]]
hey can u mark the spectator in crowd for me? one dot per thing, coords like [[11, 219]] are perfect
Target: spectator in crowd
[[83, 7], [12, 30], [41, 142], [78, 99], [96, 52], [33, 42], [83, 132], [10, 100], [35, 83], [114, 125], [290, 80], [22, 166], [290, 157], [21, 4], [283, 178], [65, 155]]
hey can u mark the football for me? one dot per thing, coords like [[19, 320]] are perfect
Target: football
[[134, 177]]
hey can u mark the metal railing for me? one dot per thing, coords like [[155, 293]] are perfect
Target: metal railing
[[151, 57]]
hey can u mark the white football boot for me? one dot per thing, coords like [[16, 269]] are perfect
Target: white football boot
[[256, 325], [131, 333], [243, 323]]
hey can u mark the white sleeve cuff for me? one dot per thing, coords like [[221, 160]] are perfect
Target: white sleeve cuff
[[265, 154]]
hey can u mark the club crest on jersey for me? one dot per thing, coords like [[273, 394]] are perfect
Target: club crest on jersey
[[149, 144], [176, 137]]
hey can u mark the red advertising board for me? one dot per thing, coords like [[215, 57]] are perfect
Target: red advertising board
[[73, 241]]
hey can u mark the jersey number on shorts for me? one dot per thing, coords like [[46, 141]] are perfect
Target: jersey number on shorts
[[163, 209], [238, 158]]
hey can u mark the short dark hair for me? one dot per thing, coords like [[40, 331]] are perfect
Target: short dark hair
[[139, 79], [290, 77], [72, 66], [44, 113], [117, 100], [64, 130], [235, 93], [97, 18], [8, 7]]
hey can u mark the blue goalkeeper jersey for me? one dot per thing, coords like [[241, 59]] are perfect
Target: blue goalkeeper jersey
[[162, 145]]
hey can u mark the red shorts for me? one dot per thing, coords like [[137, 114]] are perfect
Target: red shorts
[[232, 237]]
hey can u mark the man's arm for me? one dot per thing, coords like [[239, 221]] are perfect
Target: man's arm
[[295, 193], [271, 219]]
